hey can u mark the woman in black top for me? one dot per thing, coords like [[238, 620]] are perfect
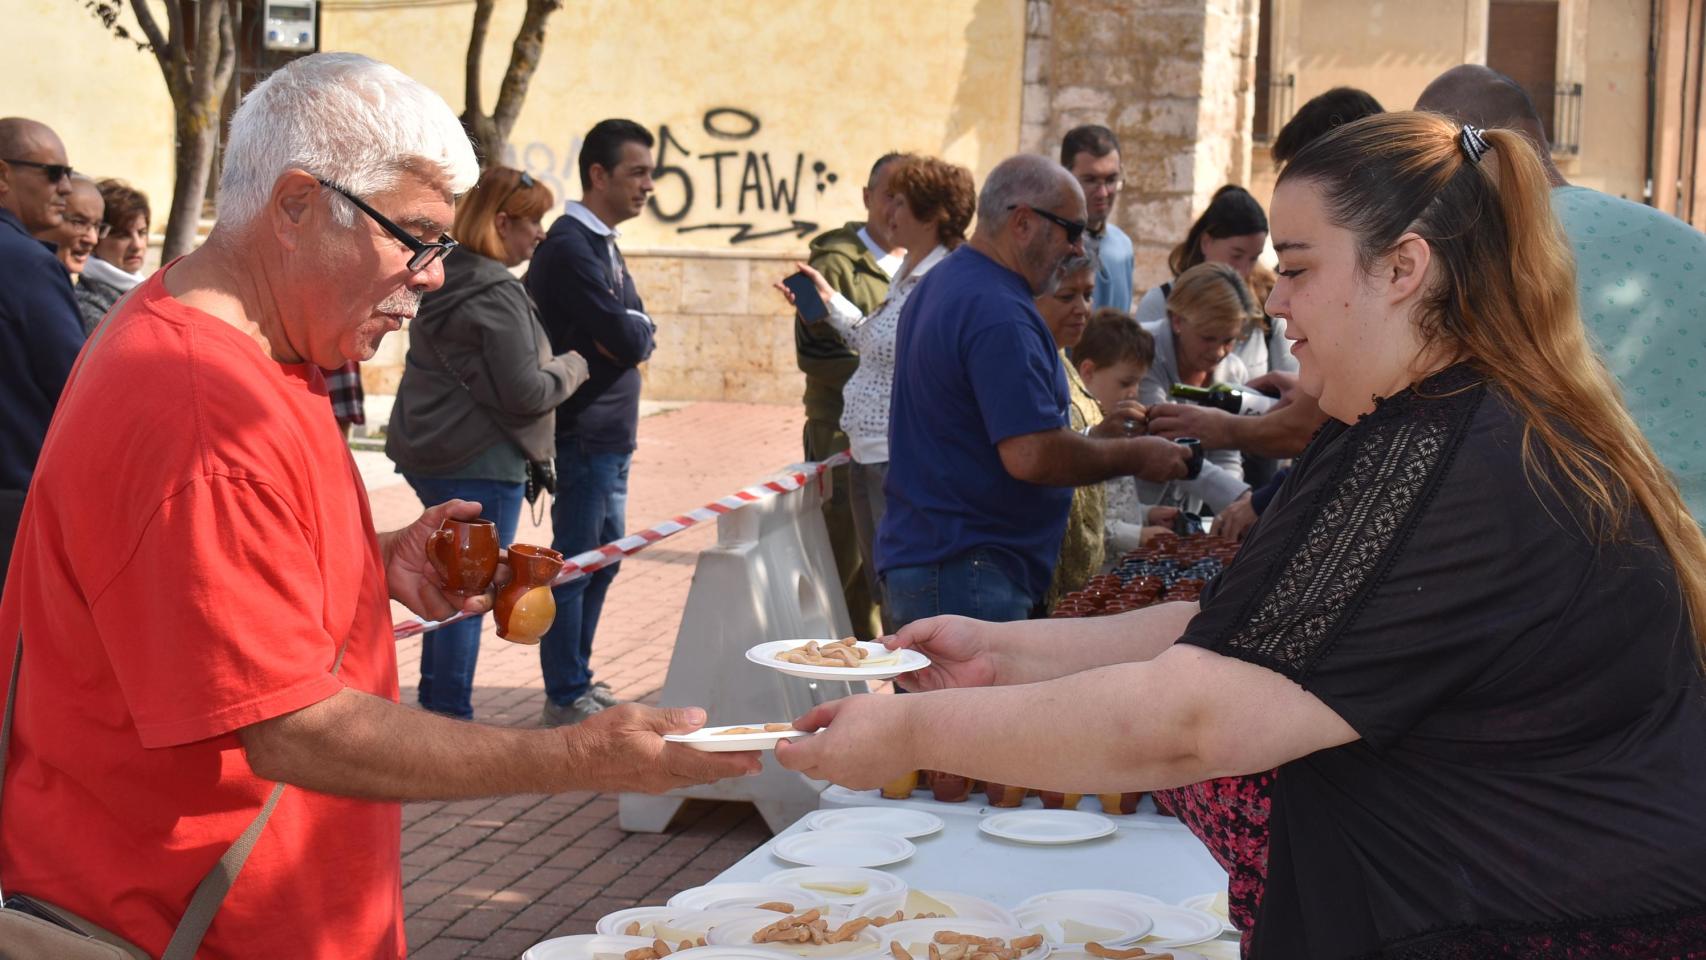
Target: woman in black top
[[479, 394], [1468, 634]]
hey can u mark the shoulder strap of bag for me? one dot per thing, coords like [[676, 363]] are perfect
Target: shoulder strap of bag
[[210, 893]]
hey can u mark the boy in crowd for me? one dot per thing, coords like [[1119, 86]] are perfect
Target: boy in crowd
[[1112, 358]]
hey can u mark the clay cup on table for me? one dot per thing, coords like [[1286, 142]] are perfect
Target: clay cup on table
[[525, 608], [465, 554]]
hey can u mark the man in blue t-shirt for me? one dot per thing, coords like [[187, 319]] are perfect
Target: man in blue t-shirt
[[1092, 155], [982, 463], [1638, 276]]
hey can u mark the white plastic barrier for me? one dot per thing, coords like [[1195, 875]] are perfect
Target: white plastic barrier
[[771, 576]]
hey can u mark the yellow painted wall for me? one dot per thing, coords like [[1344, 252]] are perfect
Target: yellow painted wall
[[1391, 48], [1614, 100], [104, 98], [830, 82]]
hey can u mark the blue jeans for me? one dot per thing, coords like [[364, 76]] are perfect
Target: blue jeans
[[592, 500], [448, 654], [971, 584]]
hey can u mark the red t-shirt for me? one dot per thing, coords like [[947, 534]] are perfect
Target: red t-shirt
[[195, 546]]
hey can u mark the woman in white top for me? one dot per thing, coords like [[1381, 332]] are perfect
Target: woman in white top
[[1208, 310], [934, 204]]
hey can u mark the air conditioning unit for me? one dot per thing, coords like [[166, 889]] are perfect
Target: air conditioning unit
[[289, 25]]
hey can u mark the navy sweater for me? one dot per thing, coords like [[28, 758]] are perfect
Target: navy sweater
[[584, 305], [40, 335]]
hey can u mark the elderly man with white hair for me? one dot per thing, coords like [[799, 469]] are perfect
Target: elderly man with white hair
[[200, 598], [982, 462]]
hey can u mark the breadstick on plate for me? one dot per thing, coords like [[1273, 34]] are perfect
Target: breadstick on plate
[[1031, 942], [1097, 950], [898, 952]]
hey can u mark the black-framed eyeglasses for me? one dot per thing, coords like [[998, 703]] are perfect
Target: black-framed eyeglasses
[[54, 172], [424, 253], [1074, 228], [84, 225], [525, 182]]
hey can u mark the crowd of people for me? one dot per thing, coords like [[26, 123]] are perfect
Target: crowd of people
[[1446, 702]]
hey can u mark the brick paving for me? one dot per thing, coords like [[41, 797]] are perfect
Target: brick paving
[[490, 878]]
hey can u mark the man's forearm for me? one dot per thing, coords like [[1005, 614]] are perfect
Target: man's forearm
[[354, 744], [1062, 458], [1030, 651], [1279, 435]]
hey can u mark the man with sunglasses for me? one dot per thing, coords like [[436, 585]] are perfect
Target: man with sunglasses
[[982, 463], [40, 332]]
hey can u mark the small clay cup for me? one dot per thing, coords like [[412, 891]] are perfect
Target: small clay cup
[[465, 554], [1002, 795], [901, 787], [1119, 804], [1059, 801], [949, 787], [525, 607]]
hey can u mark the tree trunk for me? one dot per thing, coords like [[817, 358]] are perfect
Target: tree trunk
[[490, 132], [197, 130]]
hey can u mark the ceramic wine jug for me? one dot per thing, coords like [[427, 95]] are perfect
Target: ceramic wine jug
[[525, 607]]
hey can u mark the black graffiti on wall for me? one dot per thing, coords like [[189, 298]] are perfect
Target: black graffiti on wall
[[753, 193], [717, 178]]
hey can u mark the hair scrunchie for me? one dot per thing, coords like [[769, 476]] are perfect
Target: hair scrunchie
[[1474, 145]]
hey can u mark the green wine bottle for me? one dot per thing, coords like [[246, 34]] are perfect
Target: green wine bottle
[[1241, 401]]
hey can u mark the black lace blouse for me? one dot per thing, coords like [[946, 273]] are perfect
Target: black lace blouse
[[1531, 778]]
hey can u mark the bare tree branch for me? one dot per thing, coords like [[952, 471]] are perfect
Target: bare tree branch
[[208, 40], [523, 61], [227, 65], [476, 52], [150, 29]]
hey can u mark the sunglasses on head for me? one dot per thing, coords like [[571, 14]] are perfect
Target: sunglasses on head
[[1074, 228], [524, 183], [54, 172]]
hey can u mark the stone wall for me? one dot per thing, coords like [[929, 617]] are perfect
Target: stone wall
[[1172, 78]]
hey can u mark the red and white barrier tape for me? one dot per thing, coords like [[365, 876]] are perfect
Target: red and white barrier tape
[[585, 563]]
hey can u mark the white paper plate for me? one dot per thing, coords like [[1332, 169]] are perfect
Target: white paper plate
[[842, 848], [894, 821], [584, 946], [1179, 926], [749, 952], [738, 933], [740, 896], [1205, 903], [1047, 826], [614, 923], [700, 923], [1124, 898], [964, 906], [906, 661], [1075, 953], [708, 740], [909, 933], [877, 884], [1049, 916]]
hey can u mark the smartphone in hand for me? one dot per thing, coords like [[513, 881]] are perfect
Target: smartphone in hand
[[811, 306]]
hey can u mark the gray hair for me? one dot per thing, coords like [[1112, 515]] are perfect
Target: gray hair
[[345, 118], [1026, 179], [1071, 265]]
